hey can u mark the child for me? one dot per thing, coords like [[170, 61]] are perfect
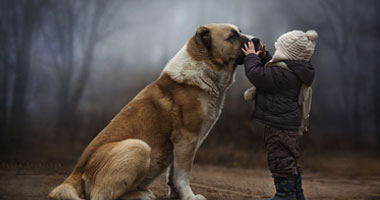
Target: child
[[282, 101]]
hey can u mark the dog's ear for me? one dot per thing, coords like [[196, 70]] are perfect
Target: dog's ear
[[203, 37]]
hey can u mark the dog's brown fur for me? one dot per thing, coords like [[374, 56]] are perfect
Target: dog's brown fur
[[163, 126]]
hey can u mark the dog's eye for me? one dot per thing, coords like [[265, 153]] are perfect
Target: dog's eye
[[233, 36]]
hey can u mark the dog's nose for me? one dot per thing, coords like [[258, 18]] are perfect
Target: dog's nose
[[246, 38], [256, 43], [255, 40], [250, 37]]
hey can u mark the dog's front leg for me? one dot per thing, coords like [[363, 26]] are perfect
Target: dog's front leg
[[185, 144], [173, 191]]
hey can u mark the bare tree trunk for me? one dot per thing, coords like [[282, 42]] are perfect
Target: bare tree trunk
[[3, 67], [88, 56], [4, 71], [65, 24], [377, 124], [74, 28], [20, 85], [68, 29], [30, 12], [376, 101]]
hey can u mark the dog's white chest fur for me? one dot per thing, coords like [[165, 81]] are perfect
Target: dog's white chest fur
[[182, 68], [212, 108]]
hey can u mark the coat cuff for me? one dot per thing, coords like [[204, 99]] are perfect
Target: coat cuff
[[266, 58], [251, 56]]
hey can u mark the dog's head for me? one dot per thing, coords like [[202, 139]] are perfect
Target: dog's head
[[219, 43]]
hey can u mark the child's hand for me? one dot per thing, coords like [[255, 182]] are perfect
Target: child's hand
[[250, 48], [263, 50]]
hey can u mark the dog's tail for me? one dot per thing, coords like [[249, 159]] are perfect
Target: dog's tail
[[71, 188]]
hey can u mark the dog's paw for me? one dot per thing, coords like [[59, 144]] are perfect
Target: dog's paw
[[173, 193], [197, 197], [140, 195]]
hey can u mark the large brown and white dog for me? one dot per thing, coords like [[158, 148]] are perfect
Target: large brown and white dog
[[163, 126]]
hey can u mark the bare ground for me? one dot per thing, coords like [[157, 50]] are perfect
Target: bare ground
[[33, 182]]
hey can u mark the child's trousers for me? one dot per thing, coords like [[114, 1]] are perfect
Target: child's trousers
[[283, 151]]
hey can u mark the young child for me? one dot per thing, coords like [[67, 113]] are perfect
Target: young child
[[282, 101]]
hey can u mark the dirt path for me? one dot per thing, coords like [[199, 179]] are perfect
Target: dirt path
[[34, 183]]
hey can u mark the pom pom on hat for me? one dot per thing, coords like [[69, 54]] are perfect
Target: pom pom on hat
[[312, 35], [249, 94]]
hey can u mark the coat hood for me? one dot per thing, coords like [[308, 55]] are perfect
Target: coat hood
[[304, 70]]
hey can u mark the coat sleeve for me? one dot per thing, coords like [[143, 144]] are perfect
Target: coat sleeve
[[266, 58], [261, 77]]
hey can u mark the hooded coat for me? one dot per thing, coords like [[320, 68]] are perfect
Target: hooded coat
[[277, 90]]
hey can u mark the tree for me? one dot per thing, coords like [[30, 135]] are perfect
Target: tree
[[73, 30], [19, 20]]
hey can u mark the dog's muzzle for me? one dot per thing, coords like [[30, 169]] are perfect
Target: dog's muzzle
[[249, 37], [245, 39]]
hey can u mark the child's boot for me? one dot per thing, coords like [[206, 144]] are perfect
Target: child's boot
[[285, 189], [298, 187]]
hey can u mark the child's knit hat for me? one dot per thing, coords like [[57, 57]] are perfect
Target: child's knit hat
[[296, 45]]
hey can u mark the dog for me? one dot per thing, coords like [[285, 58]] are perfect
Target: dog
[[163, 126]]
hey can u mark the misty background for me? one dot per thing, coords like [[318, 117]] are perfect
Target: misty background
[[68, 67]]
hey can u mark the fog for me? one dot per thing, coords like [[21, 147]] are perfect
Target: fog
[[67, 67]]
